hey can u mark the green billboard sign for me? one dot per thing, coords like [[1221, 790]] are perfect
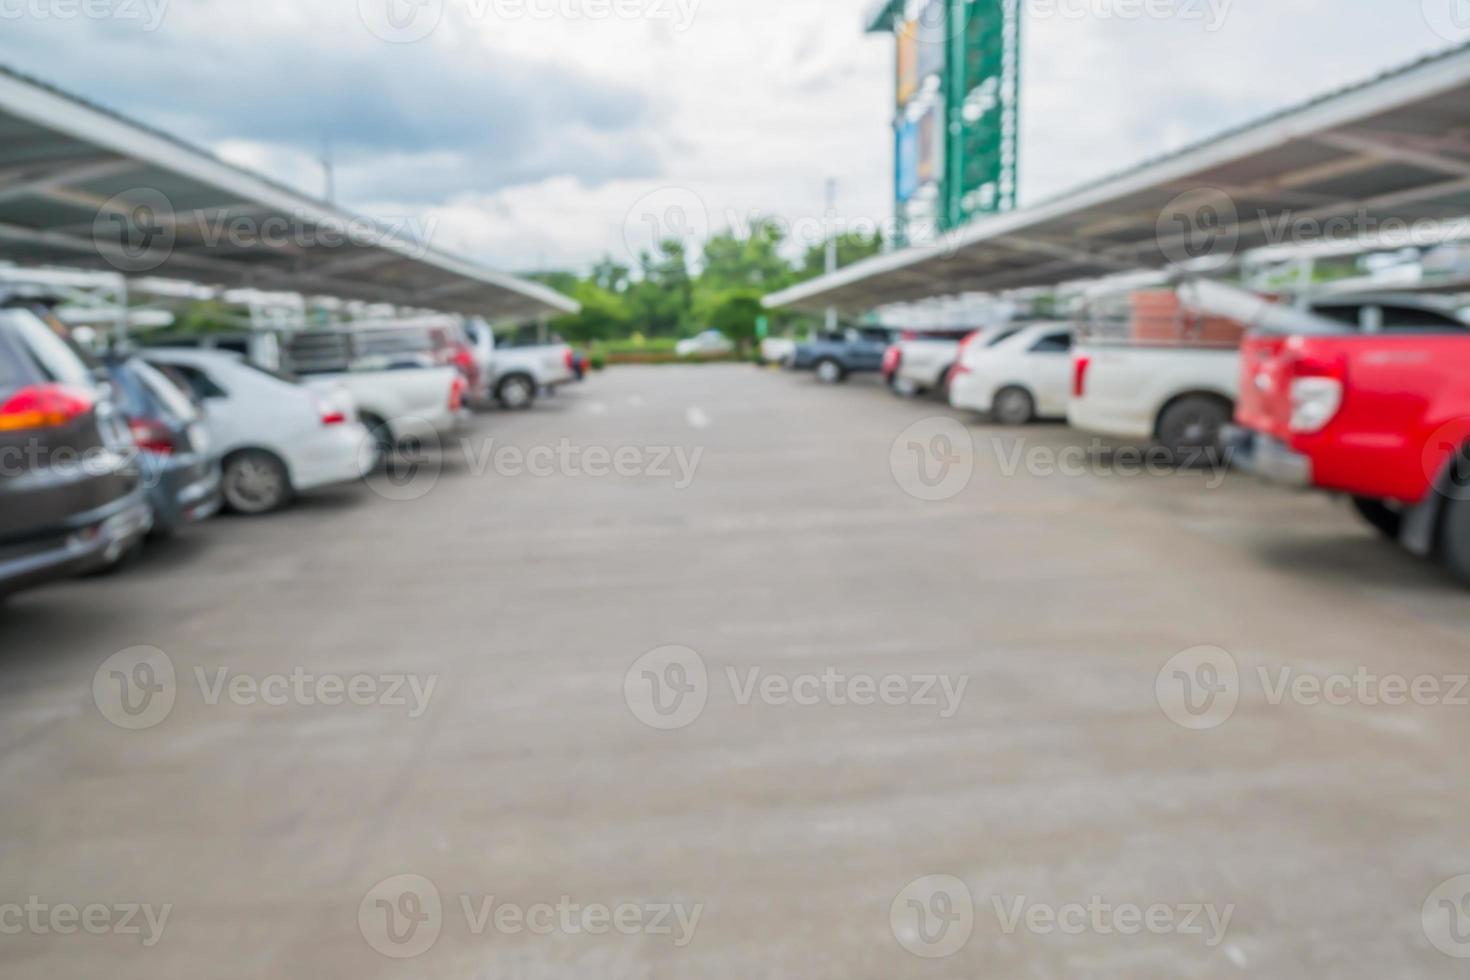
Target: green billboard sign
[[958, 78]]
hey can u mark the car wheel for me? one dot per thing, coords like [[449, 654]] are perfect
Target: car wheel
[[1013, 406], [946, 378], [516, 392], [1454, 539], [1192, 427], [255, 482], [1386, 520], [382, 442], [829, 372]]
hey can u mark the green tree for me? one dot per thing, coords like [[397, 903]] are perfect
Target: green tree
[[852, 246], [604, 315], [733, 312]]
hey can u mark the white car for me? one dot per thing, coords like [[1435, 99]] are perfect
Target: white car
[[924, 361], [1015, 377], [513, 375], [708, 342], [275, 437], [777, 350]]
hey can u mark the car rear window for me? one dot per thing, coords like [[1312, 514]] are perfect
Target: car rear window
[[132, 397], [201, 384], [165, 391], [1057, 343], [51, 354], [1409, 319], [288, 378]]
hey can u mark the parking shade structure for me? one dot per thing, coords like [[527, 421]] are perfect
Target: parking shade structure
[[1387, 151], [84, 187]]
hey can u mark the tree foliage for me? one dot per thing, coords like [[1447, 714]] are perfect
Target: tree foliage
[[664, 297]]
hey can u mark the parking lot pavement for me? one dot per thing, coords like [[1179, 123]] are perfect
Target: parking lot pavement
[[752, 708]]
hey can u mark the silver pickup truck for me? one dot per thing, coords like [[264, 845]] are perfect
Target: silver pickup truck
[[513, 375]]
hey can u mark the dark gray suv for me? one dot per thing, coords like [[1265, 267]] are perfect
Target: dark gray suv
[[71, 500]]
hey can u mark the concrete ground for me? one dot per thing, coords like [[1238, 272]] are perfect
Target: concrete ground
[[571, 800]]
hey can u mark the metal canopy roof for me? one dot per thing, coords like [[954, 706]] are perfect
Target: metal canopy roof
[[84, 187], [1394, 149]]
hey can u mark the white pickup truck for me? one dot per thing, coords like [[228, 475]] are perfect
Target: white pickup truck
[[423, 406], [923, 361], [1181, 398], [403, 390], [513, 375]]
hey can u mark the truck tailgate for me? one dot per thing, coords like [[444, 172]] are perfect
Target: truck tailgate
[[1264, 404]]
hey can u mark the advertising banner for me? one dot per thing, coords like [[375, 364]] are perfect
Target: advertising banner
[[908, 61], [907, 168]]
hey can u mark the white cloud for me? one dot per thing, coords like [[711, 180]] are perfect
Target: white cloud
[[529, 140]]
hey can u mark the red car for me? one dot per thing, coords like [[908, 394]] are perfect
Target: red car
[[1372, 402]]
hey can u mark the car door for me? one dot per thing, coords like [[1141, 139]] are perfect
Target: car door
[[1049, 367], [867, 350]]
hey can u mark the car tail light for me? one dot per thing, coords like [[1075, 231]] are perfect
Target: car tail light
[[45, 407], [1316, 394], [571, 360], [331, 412], [465, 361], [960, 366], [890, 359], [152, 436], [456, 395], [1079, 375]]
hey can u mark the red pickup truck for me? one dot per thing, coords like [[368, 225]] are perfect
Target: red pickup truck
[[1371, 398]]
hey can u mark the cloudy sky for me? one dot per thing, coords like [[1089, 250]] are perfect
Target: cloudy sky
[[539, 133]]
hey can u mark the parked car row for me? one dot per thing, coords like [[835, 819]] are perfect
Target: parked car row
[[100, 451], [1365, 395]]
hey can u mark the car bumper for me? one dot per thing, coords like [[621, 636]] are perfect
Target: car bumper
[[336, 454], [86, 542], [969, 392], [1267, 457], [185, 494]]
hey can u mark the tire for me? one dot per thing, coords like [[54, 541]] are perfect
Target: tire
[[1191, 428], [383, 442], [829, 372], [1013, 406], [255, 482], [946, 378], [1384, 519], [516, 393], [1454, 539]]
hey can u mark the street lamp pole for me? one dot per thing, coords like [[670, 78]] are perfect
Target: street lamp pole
[[831, 246]]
